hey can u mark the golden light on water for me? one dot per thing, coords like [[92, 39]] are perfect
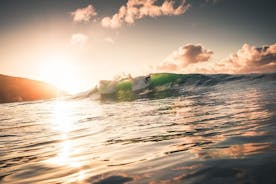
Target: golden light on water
[[64, 125], [62, 121], [69, 151]]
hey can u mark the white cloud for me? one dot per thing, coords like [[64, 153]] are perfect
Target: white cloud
[[109, 40], [137, 9], [78, 39], [84, 14]]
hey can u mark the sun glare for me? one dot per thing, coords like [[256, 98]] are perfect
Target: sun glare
[[62, 73]]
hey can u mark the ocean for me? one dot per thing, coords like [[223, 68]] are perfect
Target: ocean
[[190, 129]]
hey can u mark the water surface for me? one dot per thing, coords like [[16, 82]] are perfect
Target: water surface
[[219, 133]]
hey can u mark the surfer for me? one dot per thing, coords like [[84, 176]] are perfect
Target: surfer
[[147, 78], [140, 83], [130, 77]]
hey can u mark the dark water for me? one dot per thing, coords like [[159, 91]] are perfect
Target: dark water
[[219, 132]]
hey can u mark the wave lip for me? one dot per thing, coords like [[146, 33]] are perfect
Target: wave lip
[[162, 85]]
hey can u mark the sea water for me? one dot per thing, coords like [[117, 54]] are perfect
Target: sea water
[[223, 132]]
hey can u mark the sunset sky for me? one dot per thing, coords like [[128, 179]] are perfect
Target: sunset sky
[[75, 43]]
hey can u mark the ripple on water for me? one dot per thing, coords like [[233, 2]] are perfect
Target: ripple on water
[[221, 134]]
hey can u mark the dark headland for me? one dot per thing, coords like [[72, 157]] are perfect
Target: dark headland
[[16, 89]]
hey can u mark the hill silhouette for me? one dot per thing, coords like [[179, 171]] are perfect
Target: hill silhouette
[[17, 89]]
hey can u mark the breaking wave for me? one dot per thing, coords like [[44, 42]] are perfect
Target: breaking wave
[[163, 85]]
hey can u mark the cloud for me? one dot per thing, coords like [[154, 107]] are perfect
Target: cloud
[[250, 59], [78, 39], [166, 66], [109, 40], [137, 9], [184, 56], [84, 14]]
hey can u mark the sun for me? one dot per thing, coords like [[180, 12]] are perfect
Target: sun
[[62, 73]]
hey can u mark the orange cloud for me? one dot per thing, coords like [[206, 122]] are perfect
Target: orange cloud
[[137, 9], [84, 14], [166, 66], [184, 56], [248, 59]]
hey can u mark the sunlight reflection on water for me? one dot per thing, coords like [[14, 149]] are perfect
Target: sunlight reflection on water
[[213, 136]]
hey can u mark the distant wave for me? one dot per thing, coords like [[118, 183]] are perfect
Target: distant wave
[[163, 85]]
